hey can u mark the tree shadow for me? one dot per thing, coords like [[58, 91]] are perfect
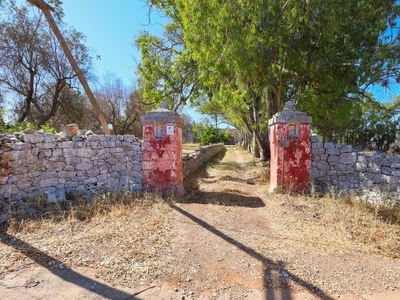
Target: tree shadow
[[224, 199], [190, 181], [250, 181], [68, 275], [274, 271]]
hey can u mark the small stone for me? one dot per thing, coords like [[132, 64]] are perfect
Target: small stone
[[71, 129]]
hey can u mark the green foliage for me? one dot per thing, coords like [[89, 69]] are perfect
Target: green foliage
[[241, 53], [372, 124], [18, 127], [211, 135]]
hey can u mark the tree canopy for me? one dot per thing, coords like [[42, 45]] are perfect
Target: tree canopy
[[253, 56], [34, 71]]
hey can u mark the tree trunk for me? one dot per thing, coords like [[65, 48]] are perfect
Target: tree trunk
[[46, 10]]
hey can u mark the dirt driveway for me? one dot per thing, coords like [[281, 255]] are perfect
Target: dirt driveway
[[227, 239]]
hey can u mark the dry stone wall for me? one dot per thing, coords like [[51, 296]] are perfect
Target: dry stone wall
[[56, 165], [374, 177], [59, 165], [193, 161]]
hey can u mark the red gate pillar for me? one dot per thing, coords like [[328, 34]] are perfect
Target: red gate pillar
[[162, 164], [290, 149]]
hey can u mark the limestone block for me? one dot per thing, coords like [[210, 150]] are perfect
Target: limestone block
[[323, 165], [360, 166], [84, 166], [66, 174], [17, 155], [102, 178], [116, 150], [374, 168], [71, 129], [93, 172], [346, 149], [93, 138], [34, 174], [395, 165], [14, 178], [136, 146], [71, 184], [85, 152], [314, 151], [333, 158], [57, 153], [317, 145], [380, 178], [334, 179], [69, 152], [49, 138], [90, 181], [49, 175], [109, 144], [332, 151], [111, 160], [76, 139], [387, 171], [31, 138], [348, 158], [93, 145], [56, 195], [20, 170], [24, 184], [21, 146], [129, 138], [46, 145], [49, 182], [395, 173], [81, 188], [63, 145]]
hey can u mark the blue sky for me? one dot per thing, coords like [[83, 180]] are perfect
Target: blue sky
[[111, 28]]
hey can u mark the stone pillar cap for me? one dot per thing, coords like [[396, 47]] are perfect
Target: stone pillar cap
[[161, 114], [290, 115]]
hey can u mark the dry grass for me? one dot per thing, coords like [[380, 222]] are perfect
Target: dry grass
[[121, 236], [340, 224]]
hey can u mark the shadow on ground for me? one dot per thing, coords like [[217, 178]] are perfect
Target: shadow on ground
[[225, 199], [276, 277], [53, 265]]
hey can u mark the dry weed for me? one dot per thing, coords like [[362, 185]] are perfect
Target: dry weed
[[336, 223], [122, 236]]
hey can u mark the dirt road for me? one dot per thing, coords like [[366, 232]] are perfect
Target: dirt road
[[231, 240]]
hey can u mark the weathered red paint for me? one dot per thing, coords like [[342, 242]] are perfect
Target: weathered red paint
[[162, 163], [290, 153]]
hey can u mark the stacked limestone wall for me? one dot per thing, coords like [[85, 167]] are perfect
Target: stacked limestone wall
[[375, 177], [195, 160], [55, 165]]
